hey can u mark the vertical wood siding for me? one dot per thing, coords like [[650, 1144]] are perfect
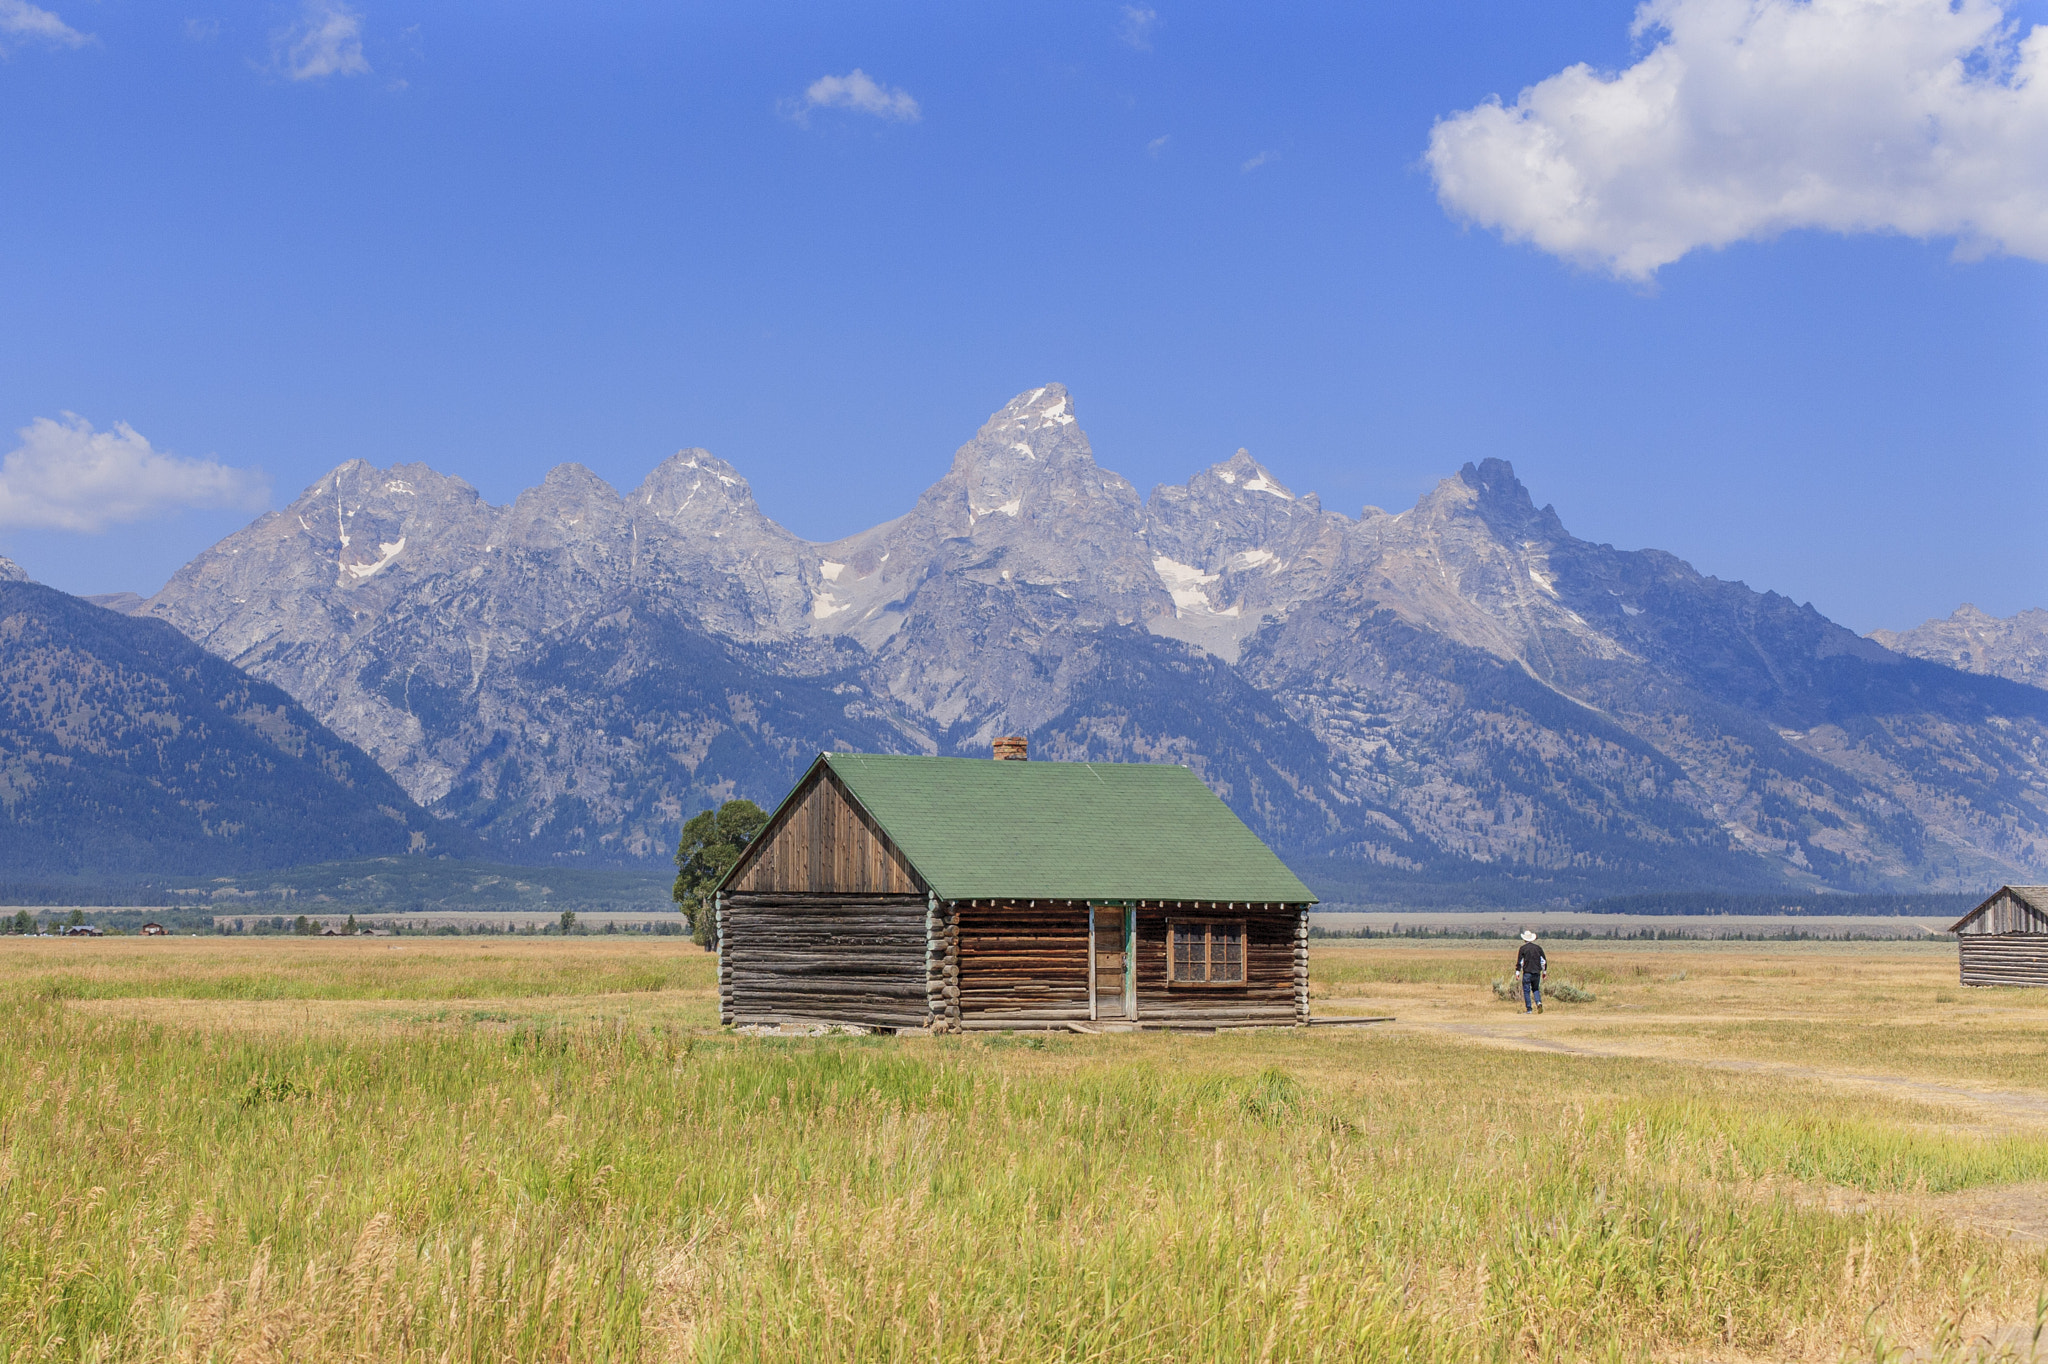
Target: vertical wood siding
[[2004, 958], [823, 843], [2006, 913]]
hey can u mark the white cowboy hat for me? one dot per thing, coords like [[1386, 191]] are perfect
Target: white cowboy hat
[[1528, 935]]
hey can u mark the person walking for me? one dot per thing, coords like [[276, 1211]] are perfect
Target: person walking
[[1530, 964]]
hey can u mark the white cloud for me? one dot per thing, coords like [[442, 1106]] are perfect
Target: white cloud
[[66, 476], [1138, 25], [1158, 144], [1748, 118], [860, 92], [1252, 163], [326, 41], [21, 20]]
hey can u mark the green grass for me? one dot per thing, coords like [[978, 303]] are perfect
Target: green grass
[[2006, 1056], [618, 1192], [572, 1176]]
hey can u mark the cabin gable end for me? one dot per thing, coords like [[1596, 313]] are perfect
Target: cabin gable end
[[822, 841], [2013, 909]]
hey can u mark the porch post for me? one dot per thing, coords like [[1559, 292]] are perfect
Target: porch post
[[1131, 962], [1092, 959]]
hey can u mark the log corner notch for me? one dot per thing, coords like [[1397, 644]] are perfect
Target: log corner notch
[[1301, 968], [942, 966], [881, 893], [725, 1015]]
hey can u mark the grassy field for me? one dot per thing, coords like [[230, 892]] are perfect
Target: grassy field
[[472, 1149]]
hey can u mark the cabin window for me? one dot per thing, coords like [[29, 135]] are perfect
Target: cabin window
[[1206, 954]]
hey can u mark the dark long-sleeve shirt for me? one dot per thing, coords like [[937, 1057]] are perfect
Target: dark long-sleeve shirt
[[1530, 961]]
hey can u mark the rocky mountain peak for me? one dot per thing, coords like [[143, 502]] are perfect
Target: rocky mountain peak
[[1486, 500], [1504, 502], [1029, 472], [1231, 515], [1493, 476], [2013, 647], [572, 506], [693, 488], [368, 520], [1046, 409], [11, 572], [1242, 474], [359, 483]]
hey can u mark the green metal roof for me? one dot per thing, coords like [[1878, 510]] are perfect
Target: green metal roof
[[978, 829]]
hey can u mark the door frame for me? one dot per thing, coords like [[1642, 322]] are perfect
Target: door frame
[[1128, 920], [1131, 963], [1092, 961]]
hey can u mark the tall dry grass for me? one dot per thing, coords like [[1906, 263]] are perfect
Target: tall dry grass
[[407, 968], [611, 1190]]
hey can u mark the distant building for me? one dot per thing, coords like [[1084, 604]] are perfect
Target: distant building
[[2004, 941], [961, 893], [154, 930]]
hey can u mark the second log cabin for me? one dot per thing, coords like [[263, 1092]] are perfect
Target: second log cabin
[[955, 894], [2004, 941]]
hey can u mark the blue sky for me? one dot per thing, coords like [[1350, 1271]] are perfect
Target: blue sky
[[493, 238]]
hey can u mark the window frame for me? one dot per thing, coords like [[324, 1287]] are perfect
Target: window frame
[[1175, 928]]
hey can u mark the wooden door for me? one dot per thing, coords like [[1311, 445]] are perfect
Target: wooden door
[[1109, 943]]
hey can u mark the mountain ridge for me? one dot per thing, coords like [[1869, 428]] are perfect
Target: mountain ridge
[[2014, 647], [1461, 686], [125, 748]]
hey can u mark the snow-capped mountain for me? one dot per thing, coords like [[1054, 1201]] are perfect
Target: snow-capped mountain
[[1462, 688]]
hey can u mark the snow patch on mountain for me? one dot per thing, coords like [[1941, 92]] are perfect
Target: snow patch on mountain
[[387, 555], [1186, 584]]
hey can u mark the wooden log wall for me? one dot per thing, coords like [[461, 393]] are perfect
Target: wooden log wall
[[1025, 965], [1022, 964], [823, 843], [1275, 969], [2004, 958], [828, 958]]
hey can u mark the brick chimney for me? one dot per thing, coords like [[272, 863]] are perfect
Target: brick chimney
[[1012, 748]]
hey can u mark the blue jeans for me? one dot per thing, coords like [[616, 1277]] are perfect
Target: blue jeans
[[1532, 992]]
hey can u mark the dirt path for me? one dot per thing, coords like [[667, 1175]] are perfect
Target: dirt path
[[2006, 1212], [1993, 1107]]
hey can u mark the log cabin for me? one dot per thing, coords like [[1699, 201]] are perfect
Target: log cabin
[[2004, 941], [955, 894]]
